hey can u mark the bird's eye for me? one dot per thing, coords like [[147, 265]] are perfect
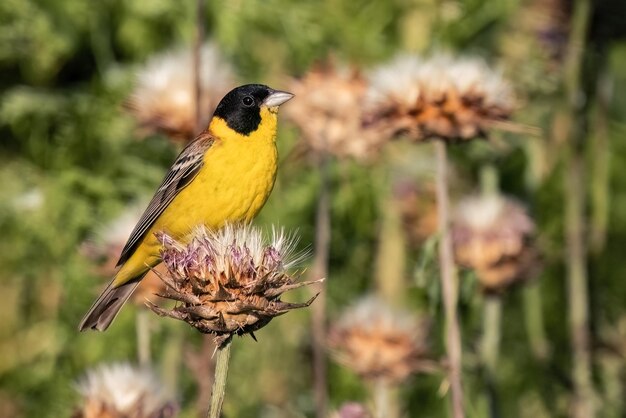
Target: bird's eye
[[248, 101]]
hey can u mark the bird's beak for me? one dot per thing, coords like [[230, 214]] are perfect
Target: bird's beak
[[276, 98]]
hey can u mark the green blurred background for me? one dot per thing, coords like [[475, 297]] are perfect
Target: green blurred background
[[71, 161]]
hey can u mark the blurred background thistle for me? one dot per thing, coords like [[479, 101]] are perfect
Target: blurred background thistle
[[329, 115], [120, 390], [446, 99], [439, 97], [329, 118], [383, 345], [494, 236], [418, 209], [377, 342], [164, 97]]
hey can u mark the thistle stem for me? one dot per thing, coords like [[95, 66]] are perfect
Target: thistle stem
[[490, 344], [197, 62], [577, 289], [381, 395], [201, 364], [219, 383], [492, 308], [143, 337], [171, 358], [391, 254], [575, 235], [448, 282], [320, 269], [489, 180], [386, 399], [490, 348], [533, 316], [601, 169]]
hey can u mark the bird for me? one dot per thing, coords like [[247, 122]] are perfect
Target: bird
[[224, 176]]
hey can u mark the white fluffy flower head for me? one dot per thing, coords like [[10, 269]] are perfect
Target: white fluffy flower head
[[164, 98], [125, 390], [440, 97]]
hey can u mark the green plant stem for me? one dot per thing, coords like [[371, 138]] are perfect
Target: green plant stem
[[171, 356], [143, 337], [320, 270], [578, 292], [386, 399], [201, 364], [448, 283], [574, 188], [219, 383], [382, 399], [490, 350], [492, 308], [533, 317], [492, 304], [391, 253], [197, 63], [489, 180], [601, 169], [490, 344], [612, 378]]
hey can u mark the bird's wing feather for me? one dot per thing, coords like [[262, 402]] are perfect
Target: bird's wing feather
[[184, 169]]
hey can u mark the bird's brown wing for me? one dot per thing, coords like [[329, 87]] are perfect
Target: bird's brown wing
[[183, 171]]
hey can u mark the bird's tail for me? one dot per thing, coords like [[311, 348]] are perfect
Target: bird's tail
[[107, 306]]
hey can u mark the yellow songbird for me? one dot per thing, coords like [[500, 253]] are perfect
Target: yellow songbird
[[225, 175]]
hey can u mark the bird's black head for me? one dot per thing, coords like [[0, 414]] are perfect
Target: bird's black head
[[241, 107]]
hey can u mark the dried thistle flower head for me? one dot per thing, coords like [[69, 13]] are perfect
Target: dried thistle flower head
[[378, 342], [229, 281], [494, 236], [440, 97], [123, 391], [164, 99], [329, 113], [418, 209]]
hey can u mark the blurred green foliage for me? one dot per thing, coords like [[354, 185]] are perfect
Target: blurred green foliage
[[70, 162]]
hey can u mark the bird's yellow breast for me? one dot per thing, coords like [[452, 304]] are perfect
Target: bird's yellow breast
[[235, 180], [232, 186]]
